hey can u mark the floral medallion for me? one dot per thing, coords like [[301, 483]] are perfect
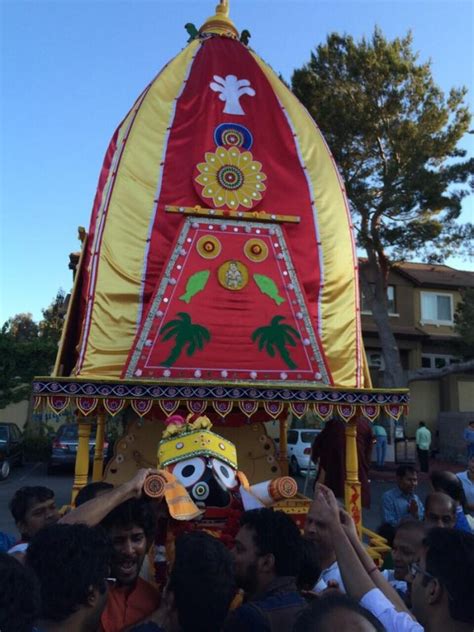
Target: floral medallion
[[230, 178]]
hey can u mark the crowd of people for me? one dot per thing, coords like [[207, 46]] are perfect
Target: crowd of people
[[86, 571]]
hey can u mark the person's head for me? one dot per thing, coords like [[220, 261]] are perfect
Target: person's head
[[201, 585], [449, 484], [441, 581], [32, 509], [19, 596], [407, 545], [310, 569], [319, 532], [471, 424], [336, 611], [422, 424], [268, 545], [407, 478], [440, 511], [92, 490], [71, 563], [131, 527]]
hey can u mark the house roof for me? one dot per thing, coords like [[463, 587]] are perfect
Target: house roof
[[427, 274]]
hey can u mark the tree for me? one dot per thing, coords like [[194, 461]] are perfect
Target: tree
[[274, 337], [464, 325], [394, 136], [28, 349], [185, 333]]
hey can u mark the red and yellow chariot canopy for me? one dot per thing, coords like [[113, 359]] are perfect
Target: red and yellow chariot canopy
[[220, 245]]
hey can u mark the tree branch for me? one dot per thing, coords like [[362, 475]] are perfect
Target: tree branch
[[434, 374]]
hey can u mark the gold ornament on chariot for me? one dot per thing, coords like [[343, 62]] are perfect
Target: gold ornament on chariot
[[256, 250], [233, 275], [209, 246]]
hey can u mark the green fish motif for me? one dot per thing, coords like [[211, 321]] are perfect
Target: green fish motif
[[196, 283], [267, 286]]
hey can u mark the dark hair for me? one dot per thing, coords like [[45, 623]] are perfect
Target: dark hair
[[438, 495], [403, 470], [19, 596], [68, 559], [27, 496], [312, 618], [450, 484], [276, 533], [410, 524], [422, 423], [90, 491], [135, 511], [387, 531], [310, 568], [202, 581], [450, 558]]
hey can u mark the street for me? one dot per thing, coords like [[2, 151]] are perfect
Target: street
[[61, 483]]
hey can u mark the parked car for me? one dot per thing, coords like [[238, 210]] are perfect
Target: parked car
[[299, 443], [11, 448], [64, 447]]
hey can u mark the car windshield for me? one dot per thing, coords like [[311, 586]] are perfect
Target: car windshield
[[308, 437], [3, 434]]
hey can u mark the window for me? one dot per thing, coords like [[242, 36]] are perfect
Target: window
[[436, 308], [390, 301], [375, 360], [435, 361], [292, 438]]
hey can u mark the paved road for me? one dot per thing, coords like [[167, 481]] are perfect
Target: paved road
[[61, 483]]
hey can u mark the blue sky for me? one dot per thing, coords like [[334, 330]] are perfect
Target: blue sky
[[72, 69]]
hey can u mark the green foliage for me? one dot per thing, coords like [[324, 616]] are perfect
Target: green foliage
[[394, 136], [464, 326], [28, 349], [185, 333], [274, 338]]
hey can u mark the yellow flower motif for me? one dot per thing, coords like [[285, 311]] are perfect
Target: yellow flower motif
[[231, 178]]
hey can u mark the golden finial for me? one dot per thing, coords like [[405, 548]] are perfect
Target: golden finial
[[220, 23]]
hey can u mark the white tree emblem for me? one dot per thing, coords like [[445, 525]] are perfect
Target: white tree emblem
[[231, 89]]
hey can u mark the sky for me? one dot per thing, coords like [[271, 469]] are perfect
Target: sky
[[71, 70]]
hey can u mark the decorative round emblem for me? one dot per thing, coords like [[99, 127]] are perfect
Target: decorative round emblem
[[230, 178], [233, 135], [222, 446], [179, 445], [233, 275], [209, 246], [256, 250]]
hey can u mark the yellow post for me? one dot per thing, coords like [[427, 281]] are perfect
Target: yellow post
[[283, 458], [98, 468], [81, 471], [352, 488]]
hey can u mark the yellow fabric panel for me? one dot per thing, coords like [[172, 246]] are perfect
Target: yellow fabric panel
[[341, 340], [122, 255]]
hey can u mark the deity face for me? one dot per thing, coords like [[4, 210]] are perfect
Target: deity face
[[209, 481]]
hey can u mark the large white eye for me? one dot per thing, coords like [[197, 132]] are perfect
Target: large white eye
[[224, 474], [190, 471]]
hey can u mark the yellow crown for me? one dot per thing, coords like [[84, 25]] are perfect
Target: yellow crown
[[198, 442]]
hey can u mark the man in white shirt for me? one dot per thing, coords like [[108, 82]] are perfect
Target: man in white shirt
[[320, 533], [406, 549], [423, 444], [441, 581]]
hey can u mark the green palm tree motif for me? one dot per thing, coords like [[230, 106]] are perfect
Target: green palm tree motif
[[275, 337], [185, 333]]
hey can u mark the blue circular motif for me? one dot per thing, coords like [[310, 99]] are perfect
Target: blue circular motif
[[233, 135]]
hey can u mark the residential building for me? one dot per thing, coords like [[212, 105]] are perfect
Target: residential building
[[422, 301]]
